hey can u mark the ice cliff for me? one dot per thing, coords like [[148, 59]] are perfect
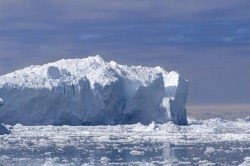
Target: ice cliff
[[91, 91]]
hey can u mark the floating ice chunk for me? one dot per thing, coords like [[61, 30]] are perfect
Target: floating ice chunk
[[105, 160], [137, 153], [56, 162], [209, 150]]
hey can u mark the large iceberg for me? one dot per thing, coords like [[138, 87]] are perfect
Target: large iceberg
[[91, 91]]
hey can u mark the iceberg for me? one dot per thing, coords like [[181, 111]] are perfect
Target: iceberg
[[91, 91]]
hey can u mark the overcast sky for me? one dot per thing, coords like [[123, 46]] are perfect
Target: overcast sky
[[208, 42]]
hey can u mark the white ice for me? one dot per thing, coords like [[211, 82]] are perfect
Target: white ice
[[216, 135], [92, 91]]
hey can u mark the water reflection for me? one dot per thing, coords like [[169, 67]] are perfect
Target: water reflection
[[113, 153]]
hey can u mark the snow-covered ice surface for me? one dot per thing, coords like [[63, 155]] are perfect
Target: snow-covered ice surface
[[91, 91], [202, 142]]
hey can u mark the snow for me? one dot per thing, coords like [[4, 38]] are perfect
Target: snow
[[91, 91]]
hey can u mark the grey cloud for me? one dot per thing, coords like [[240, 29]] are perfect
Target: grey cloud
[[112, 9], [207, 41]]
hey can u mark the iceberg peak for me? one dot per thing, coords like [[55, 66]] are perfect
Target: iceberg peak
[[98, 58]]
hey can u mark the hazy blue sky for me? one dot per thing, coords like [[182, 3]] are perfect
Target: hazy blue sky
[[208, 42]]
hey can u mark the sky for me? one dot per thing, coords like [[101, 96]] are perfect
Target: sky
[[207, 42]]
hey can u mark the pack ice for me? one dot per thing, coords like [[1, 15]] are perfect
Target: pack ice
[[91, 91]]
